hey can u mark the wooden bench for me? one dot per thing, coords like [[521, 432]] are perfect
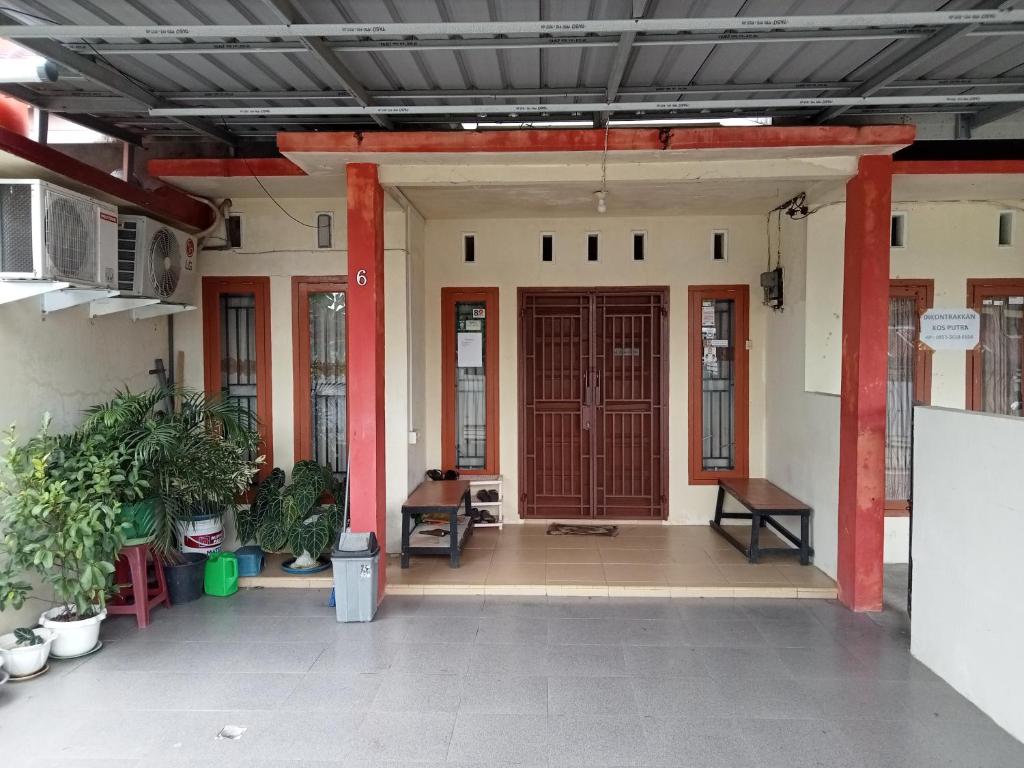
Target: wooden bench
[[443, 497], [765, 501]]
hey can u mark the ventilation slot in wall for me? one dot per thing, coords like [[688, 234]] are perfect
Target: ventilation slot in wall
[[469, 248], [233, 228], [639, 246], [324, 229], [547, 247], [898, 230], [719, 246], [593, 241], [1005, 228]]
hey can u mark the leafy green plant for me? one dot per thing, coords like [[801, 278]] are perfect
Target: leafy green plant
[[289, 516], [23, 636], [198, 458], [60, 502]]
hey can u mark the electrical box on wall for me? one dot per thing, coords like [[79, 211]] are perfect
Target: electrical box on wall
[[771, 282]]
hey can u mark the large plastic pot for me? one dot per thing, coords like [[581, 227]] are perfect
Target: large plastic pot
[[185, 579], [72, 638], [203, 534], [22, 660]]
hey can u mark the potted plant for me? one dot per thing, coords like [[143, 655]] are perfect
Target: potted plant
[[290, 516], [24, 651], [198, 459], [59, 509]]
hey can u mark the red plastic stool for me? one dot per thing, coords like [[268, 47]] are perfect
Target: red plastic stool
[[132, 567]]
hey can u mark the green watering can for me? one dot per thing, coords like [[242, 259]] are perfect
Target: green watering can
[[221, 577]]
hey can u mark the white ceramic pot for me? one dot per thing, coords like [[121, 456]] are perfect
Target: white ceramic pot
[[72, 637], [22, 660]]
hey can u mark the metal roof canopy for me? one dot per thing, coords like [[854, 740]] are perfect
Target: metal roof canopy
[[237, 70]]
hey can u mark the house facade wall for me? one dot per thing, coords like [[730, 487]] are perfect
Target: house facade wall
[[61, 365], [678, 254]]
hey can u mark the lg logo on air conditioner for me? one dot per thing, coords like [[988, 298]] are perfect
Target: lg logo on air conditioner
[[190, 250]]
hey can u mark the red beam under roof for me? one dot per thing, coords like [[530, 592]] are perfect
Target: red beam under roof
[[166, 203], [223, 167], [957, 166], [592, 140]]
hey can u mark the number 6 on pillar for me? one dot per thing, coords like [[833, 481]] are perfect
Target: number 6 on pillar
[[361, 277]]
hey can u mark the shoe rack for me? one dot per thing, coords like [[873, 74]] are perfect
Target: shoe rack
[[487, 482]]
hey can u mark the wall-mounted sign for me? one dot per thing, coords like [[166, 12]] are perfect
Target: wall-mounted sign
[[951, 328]]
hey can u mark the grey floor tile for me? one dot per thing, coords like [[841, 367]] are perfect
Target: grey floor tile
[[334, 692], [508, 660], [643, 608], [703, 609], [451, 605], [810, 743], [745, 663], [417, 693], [604, 631], [488, 694], [515, 630], [778, 610], [591, 696], [440, 629], [805, 633], [356, 657], [513, 605], [700, 741], [383, 739], [522, 739], [432, 658], [928, 745], [663, 632], [832, 661], [296, 657], [731, 633], [681, 697], [652, 661], [768, 699], [597, 741], [585, 660], [579, 608]]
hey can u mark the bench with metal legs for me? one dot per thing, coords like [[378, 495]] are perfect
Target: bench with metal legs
[[764, 501]]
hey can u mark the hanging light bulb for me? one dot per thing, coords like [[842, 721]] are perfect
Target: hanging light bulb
[[602, 202]]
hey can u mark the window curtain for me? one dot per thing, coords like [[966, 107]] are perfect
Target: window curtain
[[900, 396], [1002, 325]]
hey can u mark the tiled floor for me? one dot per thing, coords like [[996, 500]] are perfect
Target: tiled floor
[[642, 561], [499, 681]]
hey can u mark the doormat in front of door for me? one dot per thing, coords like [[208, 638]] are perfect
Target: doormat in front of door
[[561, 529]]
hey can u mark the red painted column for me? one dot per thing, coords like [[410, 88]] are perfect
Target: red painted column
[[863, 394], [365, 348]]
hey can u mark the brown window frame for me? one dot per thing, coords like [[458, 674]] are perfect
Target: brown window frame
[[449, 298], [979, 289], [302, 286], [213, 289], [741, 295], [924, 291]]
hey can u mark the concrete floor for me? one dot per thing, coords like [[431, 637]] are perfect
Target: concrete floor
[[497, 681]]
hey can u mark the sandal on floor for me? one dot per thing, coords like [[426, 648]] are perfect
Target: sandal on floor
[[451, 474], [439, 533], [435, 474]]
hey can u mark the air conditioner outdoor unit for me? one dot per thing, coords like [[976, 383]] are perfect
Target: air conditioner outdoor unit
[[51, 233], [155, 261]]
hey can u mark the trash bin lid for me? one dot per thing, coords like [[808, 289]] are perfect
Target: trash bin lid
[[356, 545]]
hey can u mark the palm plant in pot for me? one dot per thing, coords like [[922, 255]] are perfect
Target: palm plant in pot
[[197, 458], [60, 502], [289, 516]]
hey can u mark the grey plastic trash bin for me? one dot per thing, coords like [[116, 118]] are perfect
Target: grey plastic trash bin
[[355, 559]]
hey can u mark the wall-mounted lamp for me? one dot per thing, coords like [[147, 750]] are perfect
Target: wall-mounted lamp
[[28, 70]]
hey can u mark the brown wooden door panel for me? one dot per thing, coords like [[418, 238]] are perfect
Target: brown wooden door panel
[[593, 403], [555, 337]]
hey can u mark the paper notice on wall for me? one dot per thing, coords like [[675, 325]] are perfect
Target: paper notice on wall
[[470, 350], [710, 355], [719, 342], [708, 333], [707, 313], [1017, 299]]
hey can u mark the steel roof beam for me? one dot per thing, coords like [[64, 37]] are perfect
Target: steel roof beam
[[737, 24], [633, 106], [623, 51], [558, 41], [115, 81], [319, 48], [923, 50], [990, 115]]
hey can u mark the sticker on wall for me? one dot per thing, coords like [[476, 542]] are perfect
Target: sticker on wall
[[472, 325], [719, 342], [479, 312], [707, 333], [470, 350], [707, 313]]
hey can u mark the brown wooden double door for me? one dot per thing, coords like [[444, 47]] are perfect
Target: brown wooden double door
[[593, 403]]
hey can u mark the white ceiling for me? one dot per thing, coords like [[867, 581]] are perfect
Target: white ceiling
[[577, 199]]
